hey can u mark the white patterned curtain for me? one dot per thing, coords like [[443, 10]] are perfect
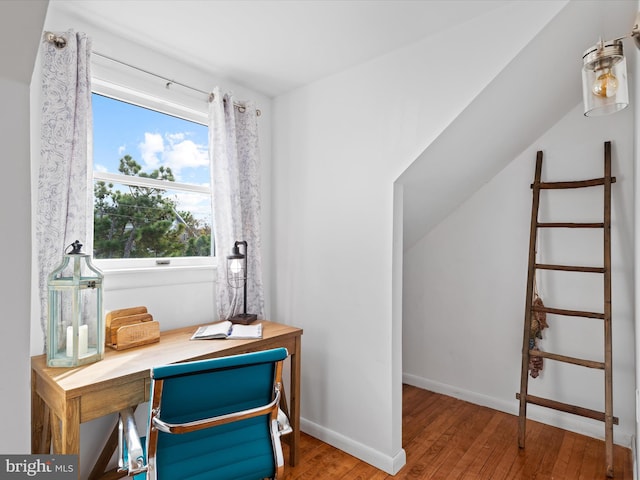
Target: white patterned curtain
[[233, 148], [64, 209]]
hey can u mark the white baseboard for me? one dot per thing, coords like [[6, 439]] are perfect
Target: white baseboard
[[573, 423], [389, 464]]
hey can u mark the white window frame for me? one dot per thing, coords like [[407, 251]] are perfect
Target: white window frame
[[166, 106]]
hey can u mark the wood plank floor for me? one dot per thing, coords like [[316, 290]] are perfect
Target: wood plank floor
[[446, 438]]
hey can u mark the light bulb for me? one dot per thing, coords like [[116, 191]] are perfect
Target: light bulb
[[605, 85], [236, 266]]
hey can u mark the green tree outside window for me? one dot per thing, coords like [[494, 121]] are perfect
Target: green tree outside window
[[143, 222]]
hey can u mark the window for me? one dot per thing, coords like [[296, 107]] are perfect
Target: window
[[151, 178]]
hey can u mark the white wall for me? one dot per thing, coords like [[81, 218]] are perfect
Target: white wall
[[22, 23], [16, 261], [465, 281], [636, 110], [339, 145]]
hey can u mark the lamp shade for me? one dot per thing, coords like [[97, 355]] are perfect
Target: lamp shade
[[604, 79], [236, 268]]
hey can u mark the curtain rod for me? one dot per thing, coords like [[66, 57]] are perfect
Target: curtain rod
[[61, 42]]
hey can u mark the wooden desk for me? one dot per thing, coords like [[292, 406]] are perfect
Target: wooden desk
[[62, 398]]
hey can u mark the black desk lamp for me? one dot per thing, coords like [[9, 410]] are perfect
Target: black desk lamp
[[237, 278]]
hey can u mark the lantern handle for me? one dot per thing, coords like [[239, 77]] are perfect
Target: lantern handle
[[76, 248]]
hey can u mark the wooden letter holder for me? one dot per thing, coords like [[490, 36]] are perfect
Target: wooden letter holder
[[130, 327]]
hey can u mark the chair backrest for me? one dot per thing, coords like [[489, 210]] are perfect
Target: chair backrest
[[194, 391]]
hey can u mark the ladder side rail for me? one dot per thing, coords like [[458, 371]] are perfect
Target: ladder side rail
[[608, 356], [524, 374]]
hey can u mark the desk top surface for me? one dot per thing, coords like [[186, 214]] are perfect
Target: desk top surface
[[174, 346]]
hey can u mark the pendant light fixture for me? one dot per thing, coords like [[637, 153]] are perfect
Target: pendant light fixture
[[604, 79], [604, 76]]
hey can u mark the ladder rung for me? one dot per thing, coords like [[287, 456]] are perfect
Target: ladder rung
[[569, 225], [563, 358], [569, 313], [565, 407], [574, 184], [570, 268]]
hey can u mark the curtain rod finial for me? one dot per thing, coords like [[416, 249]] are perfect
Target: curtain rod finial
[[58, 42]]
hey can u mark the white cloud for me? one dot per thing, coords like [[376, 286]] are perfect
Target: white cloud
[[173, 137], [174, 151], [121, 150], [153, 145], [185, 154]]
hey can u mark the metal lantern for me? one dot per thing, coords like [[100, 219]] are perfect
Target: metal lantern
[[75, 327]]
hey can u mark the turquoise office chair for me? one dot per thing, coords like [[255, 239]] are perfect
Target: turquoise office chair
[[210, 419]]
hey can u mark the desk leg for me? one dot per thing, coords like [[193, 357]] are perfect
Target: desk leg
[[66, 430], [100, 468], [70, 427], [47, 428], [294, 452], [40, 421]]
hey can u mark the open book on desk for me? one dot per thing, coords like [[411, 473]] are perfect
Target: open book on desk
[[227, 330]]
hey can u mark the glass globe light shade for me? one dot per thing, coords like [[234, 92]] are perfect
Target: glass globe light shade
[[604, 79]]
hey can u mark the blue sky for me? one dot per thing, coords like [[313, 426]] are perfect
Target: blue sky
[[151, 138]]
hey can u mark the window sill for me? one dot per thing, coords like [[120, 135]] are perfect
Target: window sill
[[160, 275]]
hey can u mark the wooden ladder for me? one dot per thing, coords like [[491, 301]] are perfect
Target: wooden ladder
[[606, 416]]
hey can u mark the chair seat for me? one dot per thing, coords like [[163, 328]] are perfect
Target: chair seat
[[224, 463], [229, 452]]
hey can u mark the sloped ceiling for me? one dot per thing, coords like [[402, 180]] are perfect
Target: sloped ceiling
[[529, 96], [21, 26], [274, 46], [271, 46]]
